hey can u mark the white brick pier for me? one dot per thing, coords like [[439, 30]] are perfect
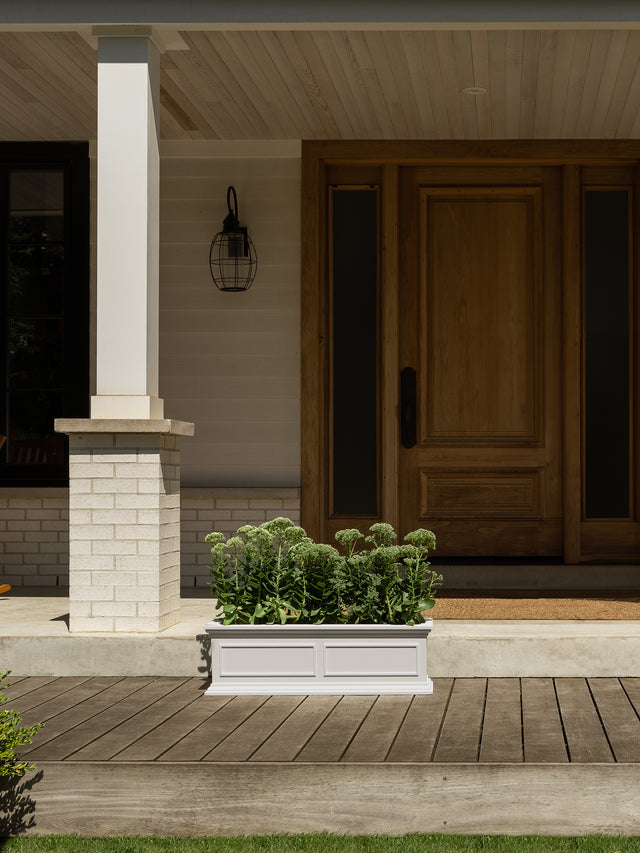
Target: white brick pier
[[124, 523]]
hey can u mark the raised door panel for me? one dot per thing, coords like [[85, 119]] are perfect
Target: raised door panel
[[480, 301]]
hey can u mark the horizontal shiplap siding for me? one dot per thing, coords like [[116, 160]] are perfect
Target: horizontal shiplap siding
[[230, 362]]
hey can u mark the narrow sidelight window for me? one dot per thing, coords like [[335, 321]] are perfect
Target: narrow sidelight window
[[44, 293], [607, 352], [354, 350]]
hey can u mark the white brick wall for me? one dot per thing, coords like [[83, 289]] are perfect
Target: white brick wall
[[45, 562], [226, 509], [34, 537], [125, 554]]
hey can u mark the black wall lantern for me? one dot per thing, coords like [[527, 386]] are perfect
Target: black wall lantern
[[232, 256]]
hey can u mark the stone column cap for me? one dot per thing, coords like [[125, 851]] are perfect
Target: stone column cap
[[160, 426]]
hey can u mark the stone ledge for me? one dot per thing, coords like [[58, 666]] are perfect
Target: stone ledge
[[160, 426]]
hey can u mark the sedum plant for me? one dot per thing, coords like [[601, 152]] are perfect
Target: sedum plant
[[275, 573]]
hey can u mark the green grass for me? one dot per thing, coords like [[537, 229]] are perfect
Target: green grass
[[326, 844]]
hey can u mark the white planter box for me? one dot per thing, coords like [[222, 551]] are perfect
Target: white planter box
[[312, 659]]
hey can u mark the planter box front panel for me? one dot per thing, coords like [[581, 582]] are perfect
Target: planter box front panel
[[314, 659]]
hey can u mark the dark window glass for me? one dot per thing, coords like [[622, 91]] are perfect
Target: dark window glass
[[31, 439], [36, 206], [36, 279], [607, 351], [354, 241], [44, 291], [36, 357]]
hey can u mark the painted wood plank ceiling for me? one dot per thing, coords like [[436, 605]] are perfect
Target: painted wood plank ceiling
[[540, 84]]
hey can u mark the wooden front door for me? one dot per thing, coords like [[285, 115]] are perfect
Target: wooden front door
[[480, 307]]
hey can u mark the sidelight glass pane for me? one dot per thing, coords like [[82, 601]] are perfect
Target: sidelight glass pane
[[354, 242], [607, 353], [36, 279], [36, 205], [32, 440], [36, 354]]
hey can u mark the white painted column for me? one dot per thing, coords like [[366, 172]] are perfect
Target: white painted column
[[127, 229], [124, 461]]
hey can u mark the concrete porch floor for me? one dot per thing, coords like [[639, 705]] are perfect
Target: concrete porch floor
[[35, 641]]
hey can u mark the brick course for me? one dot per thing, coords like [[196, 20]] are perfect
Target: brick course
[[45, 561]]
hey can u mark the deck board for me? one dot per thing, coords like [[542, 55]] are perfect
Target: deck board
[[586, 739], [542, 734], [460, 735], [214, 729], [51, 689], [502, 726], [417, 736], [468, 720], [619, 718], [333, 737], [287, 741], [94, 727], [631, 687], [248, 737], [375, 736], [84, 711], [71, 698], [115, 741], [156, 742], [26, 685], [12, 680]]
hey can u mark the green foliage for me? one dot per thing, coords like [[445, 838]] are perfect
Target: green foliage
[[12, 735], [275, 573], [328, 843]]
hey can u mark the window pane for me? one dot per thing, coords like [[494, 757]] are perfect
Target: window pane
[[36, 279], [44, 256], [36, 355], [32, 440], [607, 351], [36, 206], [355, 313]]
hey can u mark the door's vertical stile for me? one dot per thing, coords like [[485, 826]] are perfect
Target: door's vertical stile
[[312, 351], [571, 336], [409, 251], [635, 365], [390, 368]]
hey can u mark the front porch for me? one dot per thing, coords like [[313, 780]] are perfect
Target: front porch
[[496, 755]]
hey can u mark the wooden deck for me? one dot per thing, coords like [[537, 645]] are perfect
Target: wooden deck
[[465, 720], [509, 754]]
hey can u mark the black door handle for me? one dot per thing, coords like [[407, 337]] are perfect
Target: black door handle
[[408, 407]]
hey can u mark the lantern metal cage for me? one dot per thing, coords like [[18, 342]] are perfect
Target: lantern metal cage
[[232, 257]]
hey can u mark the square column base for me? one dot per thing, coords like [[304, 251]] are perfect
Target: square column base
[[124, 524]]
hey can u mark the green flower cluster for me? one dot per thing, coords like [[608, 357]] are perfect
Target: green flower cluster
[[275, 573]]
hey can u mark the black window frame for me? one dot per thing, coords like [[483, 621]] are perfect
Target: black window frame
[[73, 159]]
